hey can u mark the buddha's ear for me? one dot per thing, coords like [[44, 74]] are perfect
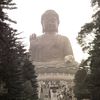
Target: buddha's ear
[[43, 29]]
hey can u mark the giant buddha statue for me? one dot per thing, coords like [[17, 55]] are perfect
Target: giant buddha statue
[[50, 46], [52, 55]]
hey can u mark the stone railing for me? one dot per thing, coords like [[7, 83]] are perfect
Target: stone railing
[[55, 76]]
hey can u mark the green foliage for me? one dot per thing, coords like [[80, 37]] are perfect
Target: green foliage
[[93, 49], [30, 81], [81, 87], [13, 61], [95, 2]]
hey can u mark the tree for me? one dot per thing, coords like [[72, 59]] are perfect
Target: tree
[[12, 60], [80, 89], [30, 80], [11, 69], [93, 49]]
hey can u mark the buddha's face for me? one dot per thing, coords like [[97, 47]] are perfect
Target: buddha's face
[[50, 24]]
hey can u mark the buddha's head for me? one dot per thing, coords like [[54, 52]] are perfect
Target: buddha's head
[[50, 21]]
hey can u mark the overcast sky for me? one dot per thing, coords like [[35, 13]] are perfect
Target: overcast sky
[[72, 13]]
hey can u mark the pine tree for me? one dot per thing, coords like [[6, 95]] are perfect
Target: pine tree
[[93, 49], [11, 73], [12, 60], [31, 81], [29, 75]]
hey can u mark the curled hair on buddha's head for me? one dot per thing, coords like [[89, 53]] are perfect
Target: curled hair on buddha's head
[[48, 15]]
